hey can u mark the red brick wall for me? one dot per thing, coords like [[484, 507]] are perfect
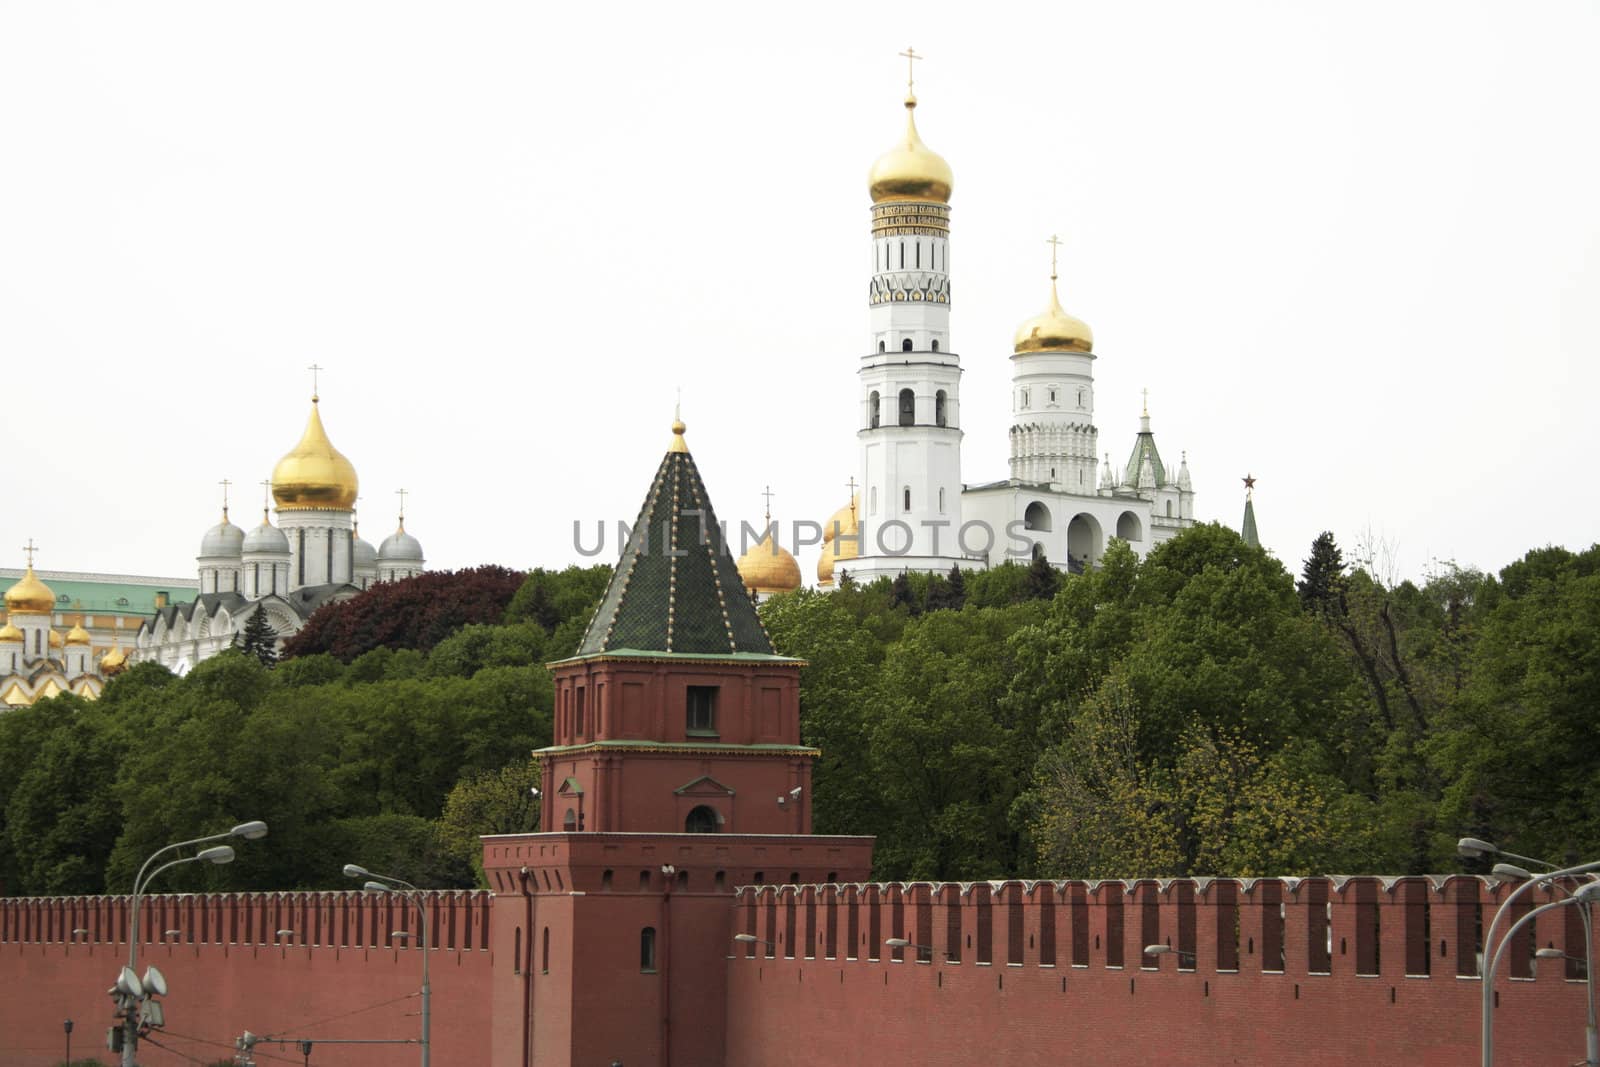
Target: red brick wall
[[336, 976], [1342, 996]]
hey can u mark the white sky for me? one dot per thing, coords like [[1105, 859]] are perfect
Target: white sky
[[1352, 248]]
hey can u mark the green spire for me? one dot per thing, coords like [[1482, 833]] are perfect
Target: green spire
[[676, 588], [1247, 529]]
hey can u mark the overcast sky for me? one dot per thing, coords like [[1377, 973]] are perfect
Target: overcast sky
[[1351, 248]]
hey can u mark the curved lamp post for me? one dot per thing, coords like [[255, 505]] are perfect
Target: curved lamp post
[[1587, 895], [245, 831], [384, 883]]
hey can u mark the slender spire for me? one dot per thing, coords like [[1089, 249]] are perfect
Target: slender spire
[[911, 58], [678, 443], [1247, 529]]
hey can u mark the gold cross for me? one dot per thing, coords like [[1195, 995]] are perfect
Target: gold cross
[[314, 369], [401, 493], [1054, 243], [30, 548], [224, 483], [911, 70], [1146, 394], [767, 492], [266, 494]]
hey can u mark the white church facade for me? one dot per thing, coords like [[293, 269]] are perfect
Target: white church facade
[[1062, 498], [314, 555]]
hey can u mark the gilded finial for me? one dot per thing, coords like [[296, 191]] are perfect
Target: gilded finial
[[678, 443], [225, 483], [314, 369], [767, 493], [401, 493], [852, 486], [30, 548], [1055, 243], [1145, 414]]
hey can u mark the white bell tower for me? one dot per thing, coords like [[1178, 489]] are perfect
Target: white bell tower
[[909, 423]]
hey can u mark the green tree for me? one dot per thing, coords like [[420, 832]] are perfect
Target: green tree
[[1321, 585], [258, 640], [500, 801]]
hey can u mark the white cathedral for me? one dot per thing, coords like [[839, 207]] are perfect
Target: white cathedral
[[913, 511], [314, 556]]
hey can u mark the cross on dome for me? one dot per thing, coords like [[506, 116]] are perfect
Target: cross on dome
[[30, 548], [1055, 244], [315, 369]]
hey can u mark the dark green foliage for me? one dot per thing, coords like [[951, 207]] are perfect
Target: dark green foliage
[[258, 640], [1321, 585], [1043, 579]]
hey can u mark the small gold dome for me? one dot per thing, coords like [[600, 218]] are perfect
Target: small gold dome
[[846, 546], [78, 635], [30, 596], [841, 521], [55, 640], [10, 633], [911, 170], [114, 661], [1054, 331], [314, 474], [769, 568]]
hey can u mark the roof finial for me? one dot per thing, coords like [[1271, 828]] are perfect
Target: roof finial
[[1249, 486], [678, 444], [314, 369], [401, 493], [852, 484], [266, 498], [225, 483], [1055, 243], [911, 75], [30, 548], [1145, 414]]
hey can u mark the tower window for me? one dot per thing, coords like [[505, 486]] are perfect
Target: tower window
[[1024, 398], [908, 408], [936, 346], [941, 500], [577, 728], [701, 820], [701, 714], [1052, 396], [907, 492], [875, 404], [647, 950], [919, 254], [882, 347], [939, 407], [905, 346], [902, 255]]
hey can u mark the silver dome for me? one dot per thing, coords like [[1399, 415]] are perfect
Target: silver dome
[[400, 546], [266, 539], [366, 557], [223, 539]]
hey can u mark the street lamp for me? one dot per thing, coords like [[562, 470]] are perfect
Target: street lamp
[[1168, 950], [245, 831], [386, 883], [902, 942], [1584, 897], [1477, 848]]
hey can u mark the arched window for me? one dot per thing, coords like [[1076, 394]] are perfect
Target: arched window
[[883, 346], [938, 408], [569, 821], [701, 820], [647, 950], [907, 492], [908, 407], [872, 415], [905, 345], [1036, 517], [936, 346]]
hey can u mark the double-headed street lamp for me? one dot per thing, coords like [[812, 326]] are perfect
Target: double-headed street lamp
[[132, 989], [1584, 897], [384, 883]]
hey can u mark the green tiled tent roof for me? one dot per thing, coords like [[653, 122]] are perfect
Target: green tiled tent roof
[[676, 588], [1144, 445], [1247, 529]]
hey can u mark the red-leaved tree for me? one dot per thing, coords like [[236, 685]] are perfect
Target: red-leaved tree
[[412, 613]]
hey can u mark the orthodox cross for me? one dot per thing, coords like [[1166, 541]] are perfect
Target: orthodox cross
[[1055, 244], [1146, 394], [225, 483], [266, 494], [314, 369], [911, 70], [30, 548], [852, 484], [767, 492], [401, 493]]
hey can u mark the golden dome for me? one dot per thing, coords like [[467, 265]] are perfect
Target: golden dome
[[769, 568], [848, 544], [114, 661], [10, 633], [30, 596], [841, 521], [314, 474], [1054, 330], [78, 635], [55, 640], [911, 170]]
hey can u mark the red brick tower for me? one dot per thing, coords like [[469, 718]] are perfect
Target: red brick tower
[[676, 774]]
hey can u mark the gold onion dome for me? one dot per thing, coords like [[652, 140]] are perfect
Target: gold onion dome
[[55, 639], [30, 596], [10, 633], [114, 661], [911, 170], [769, 568], [846, 546], [314, 474], [78, 635], [1054, 330]]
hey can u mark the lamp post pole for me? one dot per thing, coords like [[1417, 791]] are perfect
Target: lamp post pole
[[247, 831], [401, 887], [1491, 951]]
